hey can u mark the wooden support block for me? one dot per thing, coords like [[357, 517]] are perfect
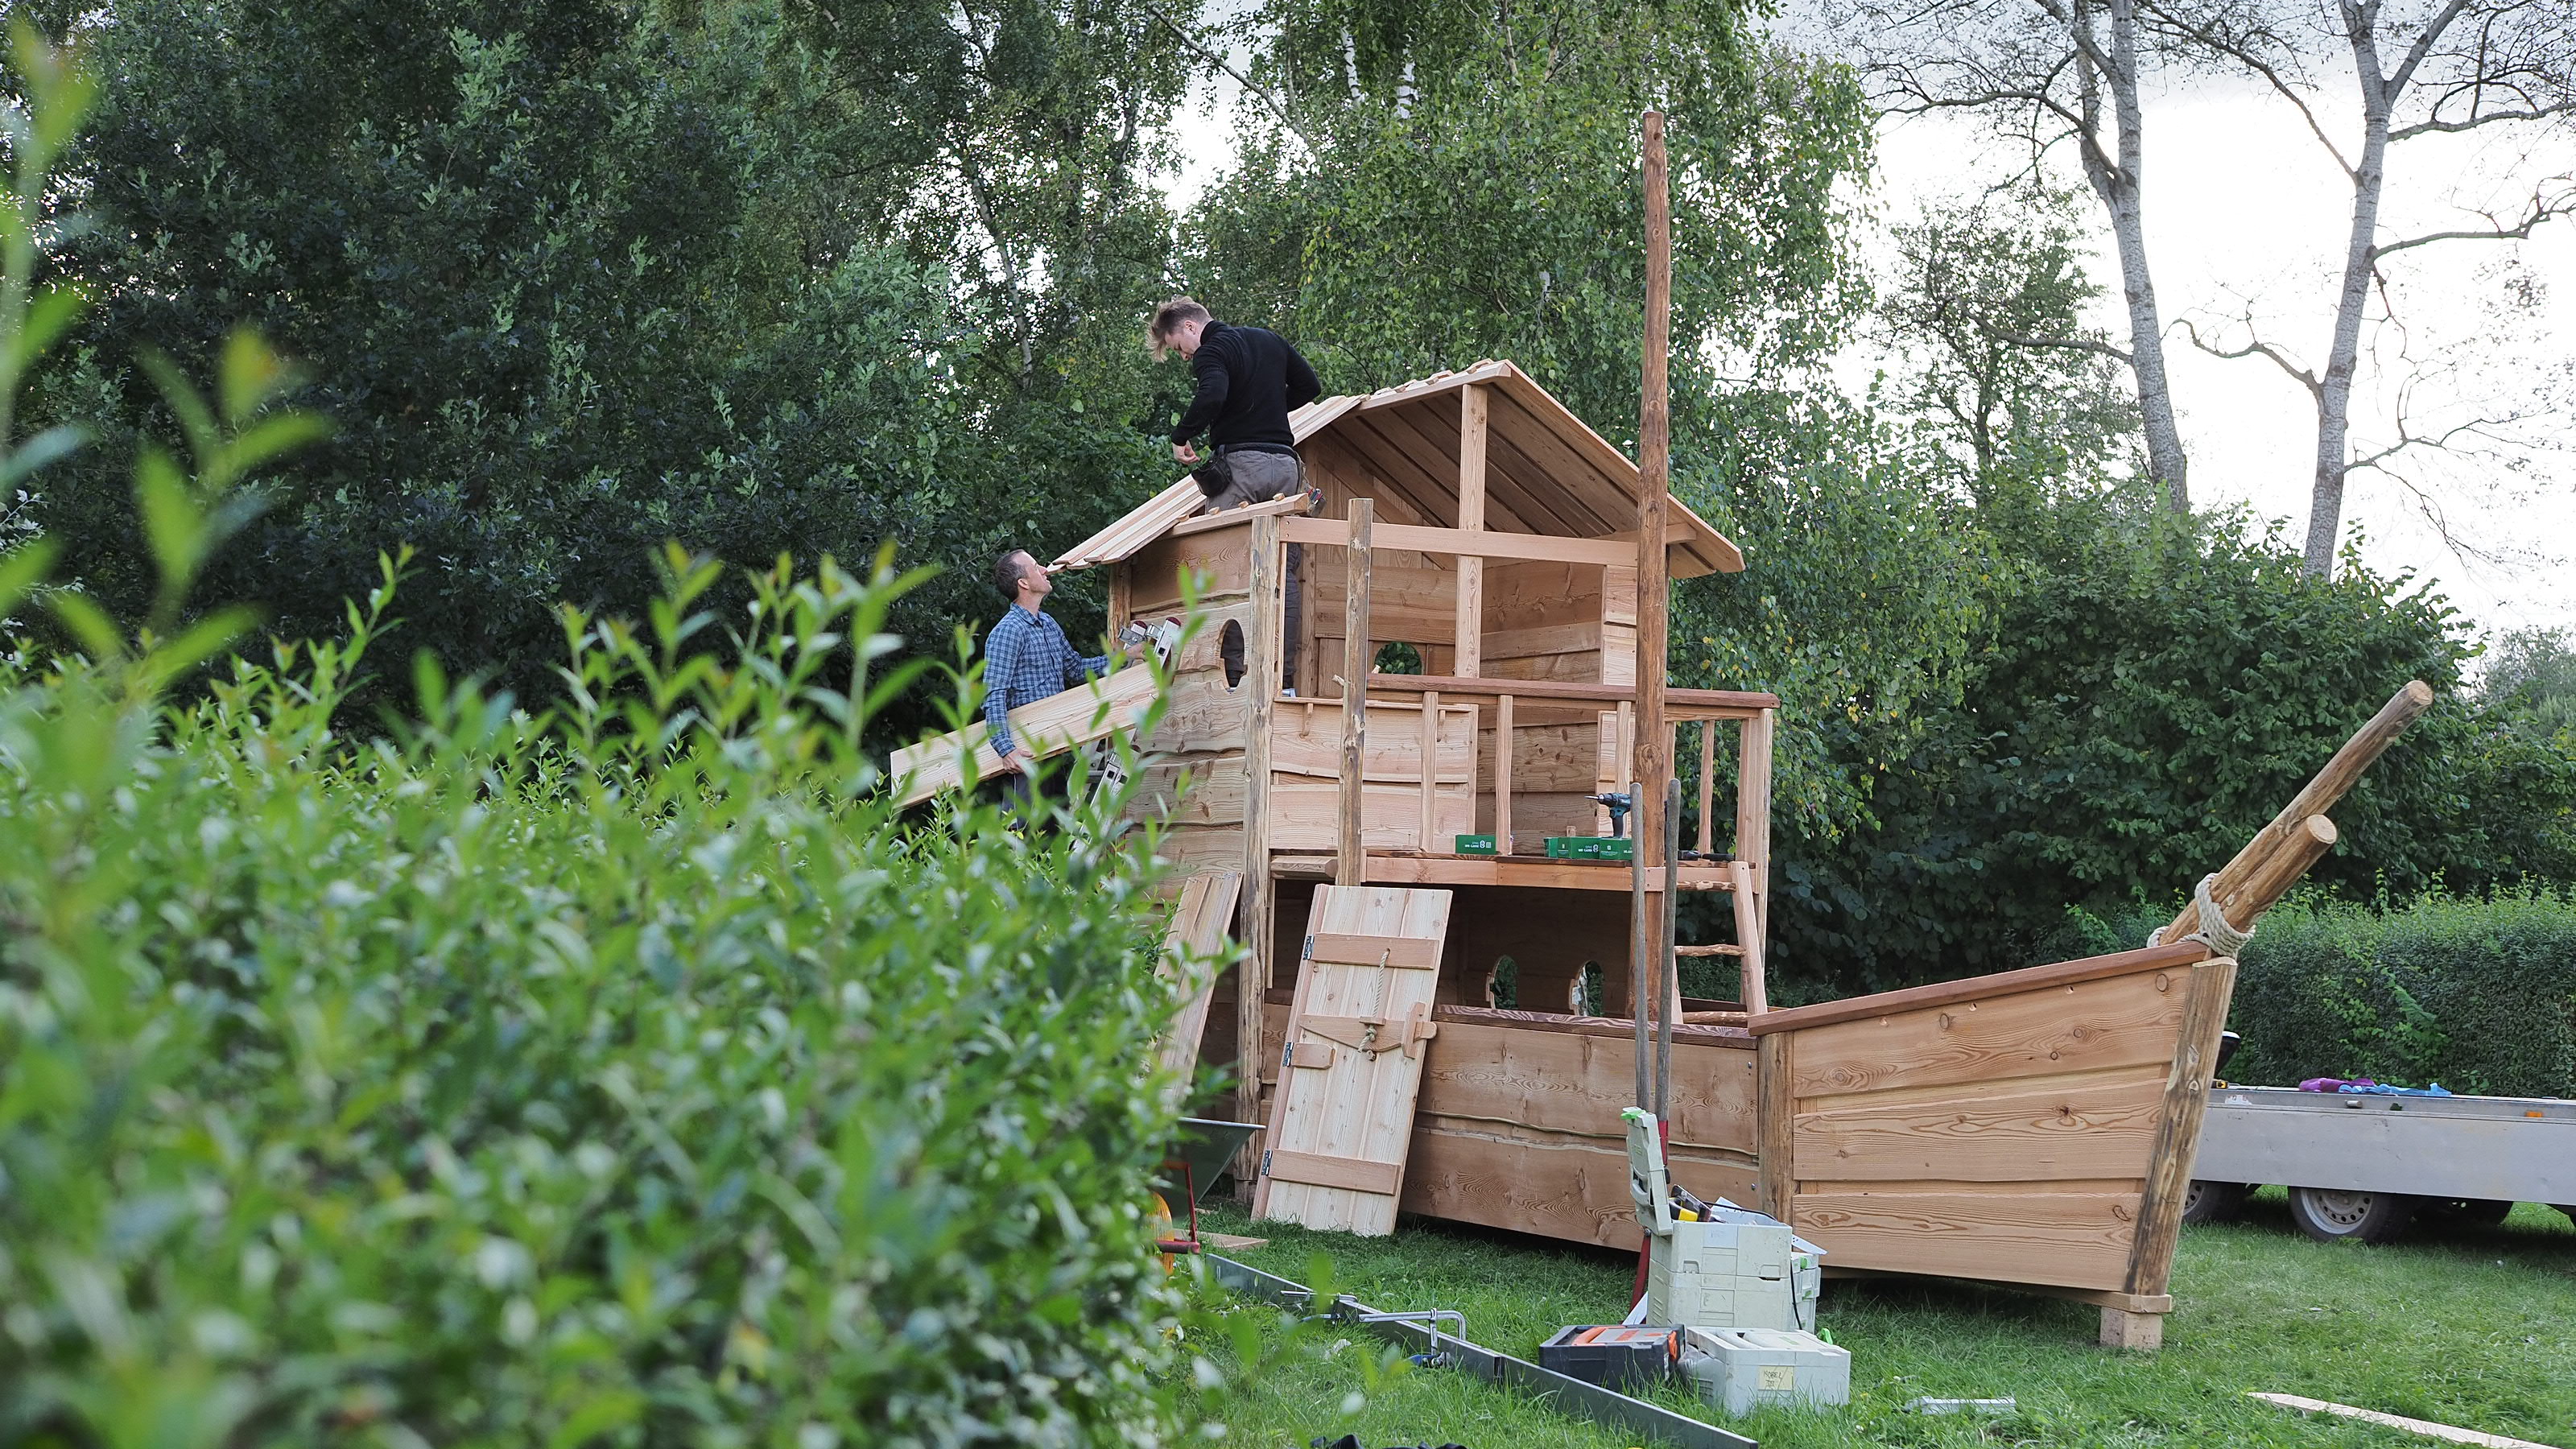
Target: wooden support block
[[1316, 1056], [1356, 1173], [1753, 810], [1405, 952], [2139, 1332]]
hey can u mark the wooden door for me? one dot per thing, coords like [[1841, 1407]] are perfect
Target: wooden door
[[1342, 1118], [1190, 962]]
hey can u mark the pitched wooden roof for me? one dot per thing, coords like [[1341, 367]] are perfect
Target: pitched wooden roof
[[1545, 471]]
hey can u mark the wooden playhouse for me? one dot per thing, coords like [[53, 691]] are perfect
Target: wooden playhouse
[[2032, 1128]]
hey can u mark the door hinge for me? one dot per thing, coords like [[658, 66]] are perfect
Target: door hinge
[[1265, 1162], [1310, 947]]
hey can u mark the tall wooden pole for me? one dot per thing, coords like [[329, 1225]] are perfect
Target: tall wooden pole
[[1654, 468], [1652, 764], [1350, 853]]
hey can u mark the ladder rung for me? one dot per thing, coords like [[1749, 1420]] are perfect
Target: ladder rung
[[1708, 950]]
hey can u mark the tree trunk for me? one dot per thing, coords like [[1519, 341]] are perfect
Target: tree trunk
[[2334, 388], [2120, 190]]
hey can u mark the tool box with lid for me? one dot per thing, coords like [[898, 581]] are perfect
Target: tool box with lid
[[1743, 1369]]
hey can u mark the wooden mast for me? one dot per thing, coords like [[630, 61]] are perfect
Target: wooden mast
[[1652, 762]]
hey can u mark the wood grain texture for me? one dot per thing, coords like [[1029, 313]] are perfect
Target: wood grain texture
[[1653, 749], [1573, 1189], [1317, 1170], [1753, 810], [1979, 988], [1361, 1106], [1775, 1112], [2091, 1128], [1350, 852], [1576, 1084], [1470, 626], [1262, 645], [1399, 952], [2022, 1234], [2119, 1021], [2185, 1104], [1194, 952]]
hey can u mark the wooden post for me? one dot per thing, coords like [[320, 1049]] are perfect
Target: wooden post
[[1503, 775], [1748, 940], [1350, 860], [1707, 786], [1774, 1116], [1753, 810], [1431, 773], [2186, 1102], [1260, 892], [1469, 641], [2235, 891], [1654, 467]]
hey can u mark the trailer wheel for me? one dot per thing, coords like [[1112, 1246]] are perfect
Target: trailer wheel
[[2330, 1214], [2213, 1202]]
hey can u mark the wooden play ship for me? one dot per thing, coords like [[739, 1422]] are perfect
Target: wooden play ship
[[1410, 1021]]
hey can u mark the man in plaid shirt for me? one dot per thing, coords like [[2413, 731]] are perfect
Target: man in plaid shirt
[[1026, 658]]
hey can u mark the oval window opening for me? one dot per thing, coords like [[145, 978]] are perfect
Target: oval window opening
[[1229, 646]]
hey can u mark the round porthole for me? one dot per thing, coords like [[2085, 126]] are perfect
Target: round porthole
[[1229, 647]]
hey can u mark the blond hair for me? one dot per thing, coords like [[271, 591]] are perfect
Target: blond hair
[[1167, 320]]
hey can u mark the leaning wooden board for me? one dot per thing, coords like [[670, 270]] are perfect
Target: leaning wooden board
[[1342, 1118], [1044, 727], [1193, 953]]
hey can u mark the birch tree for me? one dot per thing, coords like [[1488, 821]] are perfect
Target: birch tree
[[2067, 73], [2421, 70], [2052, 74]]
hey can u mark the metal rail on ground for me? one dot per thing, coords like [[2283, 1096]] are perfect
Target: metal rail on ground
[[1609, 1408]]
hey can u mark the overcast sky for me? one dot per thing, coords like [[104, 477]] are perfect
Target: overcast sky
[[2244, 211]]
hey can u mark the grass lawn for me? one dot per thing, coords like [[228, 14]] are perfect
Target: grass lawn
[[2471, 1327]]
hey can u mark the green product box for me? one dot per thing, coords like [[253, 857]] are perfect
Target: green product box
[[1589, 847], [1477, 845]]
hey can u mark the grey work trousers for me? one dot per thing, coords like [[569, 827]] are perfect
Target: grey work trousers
[[1247, 476]]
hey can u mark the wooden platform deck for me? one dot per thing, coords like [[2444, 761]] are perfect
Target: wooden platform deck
[[1537, 871]]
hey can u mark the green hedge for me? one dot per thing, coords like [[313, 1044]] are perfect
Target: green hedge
[[631, 1075], [2479, 995]]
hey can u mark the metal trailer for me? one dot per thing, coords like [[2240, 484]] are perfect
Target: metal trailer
[[2361, 1166]]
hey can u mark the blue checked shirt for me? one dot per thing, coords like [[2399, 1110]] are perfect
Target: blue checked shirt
[[1026, 658]]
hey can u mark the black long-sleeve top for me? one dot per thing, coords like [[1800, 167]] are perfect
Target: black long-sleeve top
[[1250, 379]]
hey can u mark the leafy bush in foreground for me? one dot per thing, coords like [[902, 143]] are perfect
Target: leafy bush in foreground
[[628, 1075]]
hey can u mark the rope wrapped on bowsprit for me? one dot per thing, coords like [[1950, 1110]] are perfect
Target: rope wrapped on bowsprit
[[2215, 932]]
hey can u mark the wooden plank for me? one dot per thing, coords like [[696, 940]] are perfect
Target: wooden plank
[[1431, 841], [1409, 953], [1725, 703], [1753, 809], [2119, 1021], [1579, 875], [1262, 645], [1239, 514], [1775, 1117], [1351, 853], [1748, 939], [2024, 1234], [2424, 1427], [1470, 633], [1457, 543], [1570, 1188], [1306, 815], [2088, 1128], [1392, 751], [1190, 961], [1361, 1106], [2177, 1143], [1044, 727], [1379, 1178], [1730, 1038], [1494, 1072], [1503, 762], [1976, 988], [1220, 562], [1707, 786]]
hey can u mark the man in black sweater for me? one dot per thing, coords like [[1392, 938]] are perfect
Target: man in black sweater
[[1249, 379]]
